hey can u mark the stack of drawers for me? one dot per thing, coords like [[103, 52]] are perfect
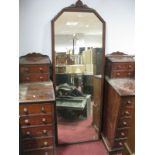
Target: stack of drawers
[[118, 115], [119, 95], [120, 66], [34, 67], [37, 118]]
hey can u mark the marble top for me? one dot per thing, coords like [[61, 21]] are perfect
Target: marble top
[[121, 58], [123, 86], [36, 92]]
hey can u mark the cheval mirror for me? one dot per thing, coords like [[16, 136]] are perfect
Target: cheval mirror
[[78, 55]]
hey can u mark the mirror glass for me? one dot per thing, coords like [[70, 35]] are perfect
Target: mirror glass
[[78, 58]]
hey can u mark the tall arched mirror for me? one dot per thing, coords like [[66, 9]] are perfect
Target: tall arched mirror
[[78, 53]]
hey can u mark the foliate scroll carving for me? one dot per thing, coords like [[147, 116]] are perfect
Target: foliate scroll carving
[[33, 57], [79, 4], [118, 53]]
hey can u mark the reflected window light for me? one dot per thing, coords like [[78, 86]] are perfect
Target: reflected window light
[[71, 23]]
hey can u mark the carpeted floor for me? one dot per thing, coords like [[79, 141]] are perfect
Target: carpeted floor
[[89, 148], [79, 130]]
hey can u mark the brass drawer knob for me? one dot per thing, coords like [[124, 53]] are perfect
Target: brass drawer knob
[[27, 78], [41, 78], [124, 123], [130, 66], [120, 144], [122, 134], [118, 74], [28, 133], [41, 69], [44, 131], [34, 96], [126, 113], [44, 120], [25, 110], [45, 143], [26, 121], [129, 73], [129, 102], [43, 109]]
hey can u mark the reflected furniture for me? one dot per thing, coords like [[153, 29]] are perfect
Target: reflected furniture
[[97, 61], [37, 118], [80, 105], [97, 106], [34, 67]]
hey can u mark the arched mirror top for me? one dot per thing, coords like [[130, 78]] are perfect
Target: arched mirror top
[[78, 7], [79, 24]]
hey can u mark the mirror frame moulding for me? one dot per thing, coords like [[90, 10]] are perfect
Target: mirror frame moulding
[[77, 7]]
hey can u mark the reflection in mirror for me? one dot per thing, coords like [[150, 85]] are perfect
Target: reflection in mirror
[[78, 59]]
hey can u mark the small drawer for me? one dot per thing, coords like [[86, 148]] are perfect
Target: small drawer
[[122, 133], [128, 102], [28, 109], [38, 143], [30, 132], [124, 122], [126, 112], [34, 69], [122, 74], [47, 151], [119, 143], [36, 120], [34, 77], [123, 66]]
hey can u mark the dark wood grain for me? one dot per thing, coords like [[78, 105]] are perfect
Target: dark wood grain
[[118, 113]]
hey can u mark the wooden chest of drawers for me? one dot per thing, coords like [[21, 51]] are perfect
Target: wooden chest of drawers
[[119, 66], [37, 118], [118, 114], [34, 67]]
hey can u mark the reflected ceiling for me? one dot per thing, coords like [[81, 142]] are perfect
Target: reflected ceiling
[[78, 23]]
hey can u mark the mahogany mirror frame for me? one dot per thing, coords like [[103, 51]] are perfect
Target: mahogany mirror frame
[[77, 7]]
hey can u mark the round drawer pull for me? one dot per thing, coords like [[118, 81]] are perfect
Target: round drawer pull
[[43, 109], [44, 120], [44, 131], [41, 69], [124, 123], [127, 113], [118, 74], [45, 143], [129, 102], [120, 144], [129, 73], [41, 78], [28, 133], [26, 121], [27, 78], [25, 110], [34, 96], [130, 66], [122, 134]]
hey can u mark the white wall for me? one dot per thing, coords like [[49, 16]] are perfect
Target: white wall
[[35, 29]]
